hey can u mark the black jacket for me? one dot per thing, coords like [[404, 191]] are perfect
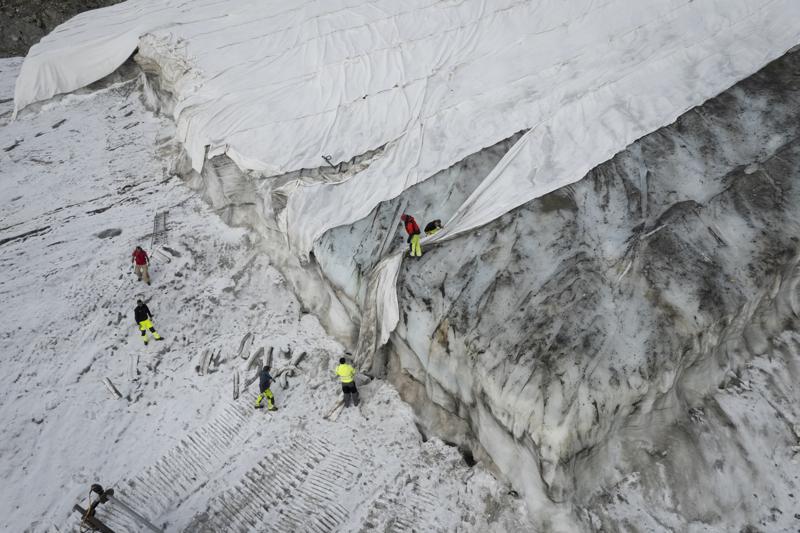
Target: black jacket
[[264, 380], [141, 313]]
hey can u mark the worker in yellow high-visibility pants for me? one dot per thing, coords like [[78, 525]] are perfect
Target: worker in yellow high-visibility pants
[[143, 318], [264, 382], [347, 375], [412, 228]]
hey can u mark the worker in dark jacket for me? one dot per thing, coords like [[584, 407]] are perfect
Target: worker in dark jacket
[[347, 375], [264, 382], [433, 227], [143, 319], [412, 228]]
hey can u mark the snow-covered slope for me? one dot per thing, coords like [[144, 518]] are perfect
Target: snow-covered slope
[[278, 85], [80, 183]]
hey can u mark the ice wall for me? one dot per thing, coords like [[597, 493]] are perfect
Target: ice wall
[[612, 336], [632, 336]]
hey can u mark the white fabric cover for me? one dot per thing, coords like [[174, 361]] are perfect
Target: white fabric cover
[[581, 135], [278, 84]]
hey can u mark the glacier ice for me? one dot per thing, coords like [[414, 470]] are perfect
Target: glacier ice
[[613, 328], [601, 333], [612, 331], [605, 334]]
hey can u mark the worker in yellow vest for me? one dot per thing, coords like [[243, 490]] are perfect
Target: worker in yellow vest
[[347, 375]]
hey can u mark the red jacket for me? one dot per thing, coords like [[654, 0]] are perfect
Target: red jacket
[[140, 257], [410, 224]]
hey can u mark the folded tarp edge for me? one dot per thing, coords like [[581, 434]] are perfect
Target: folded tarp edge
[[41, 78]]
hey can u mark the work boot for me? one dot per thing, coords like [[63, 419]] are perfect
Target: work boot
[[347, 400], [258, 406], [159, 338]]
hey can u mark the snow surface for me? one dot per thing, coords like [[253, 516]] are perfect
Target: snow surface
[[429, 82], [80, 181]]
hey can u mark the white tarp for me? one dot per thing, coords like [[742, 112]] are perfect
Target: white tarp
[[581, 135], [278, 84]]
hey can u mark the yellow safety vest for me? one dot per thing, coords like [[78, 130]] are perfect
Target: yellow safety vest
[[345, 373]]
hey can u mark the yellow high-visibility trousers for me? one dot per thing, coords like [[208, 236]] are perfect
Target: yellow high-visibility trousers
[[270, 399], [145, 325], [416, 249]]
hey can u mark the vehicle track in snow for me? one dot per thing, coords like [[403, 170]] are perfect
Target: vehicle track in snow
[[319, 505], [402, 508], [273, 480], [400, 500], [298, 487], [415, 504], [180, 472]]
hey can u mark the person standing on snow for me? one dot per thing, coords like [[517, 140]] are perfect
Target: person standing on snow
[[140, 261], [143, 318], [412, 228], [264, 382], [347, 376]]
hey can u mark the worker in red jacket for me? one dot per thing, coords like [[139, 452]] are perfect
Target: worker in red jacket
[[412, 228], [140, 261]]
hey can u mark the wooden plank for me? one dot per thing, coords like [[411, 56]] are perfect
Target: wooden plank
[[254, 358], [92, 521], [246, 340], [205, 359], [333, 414], [134, 366], [111, 388], [269, 356]]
